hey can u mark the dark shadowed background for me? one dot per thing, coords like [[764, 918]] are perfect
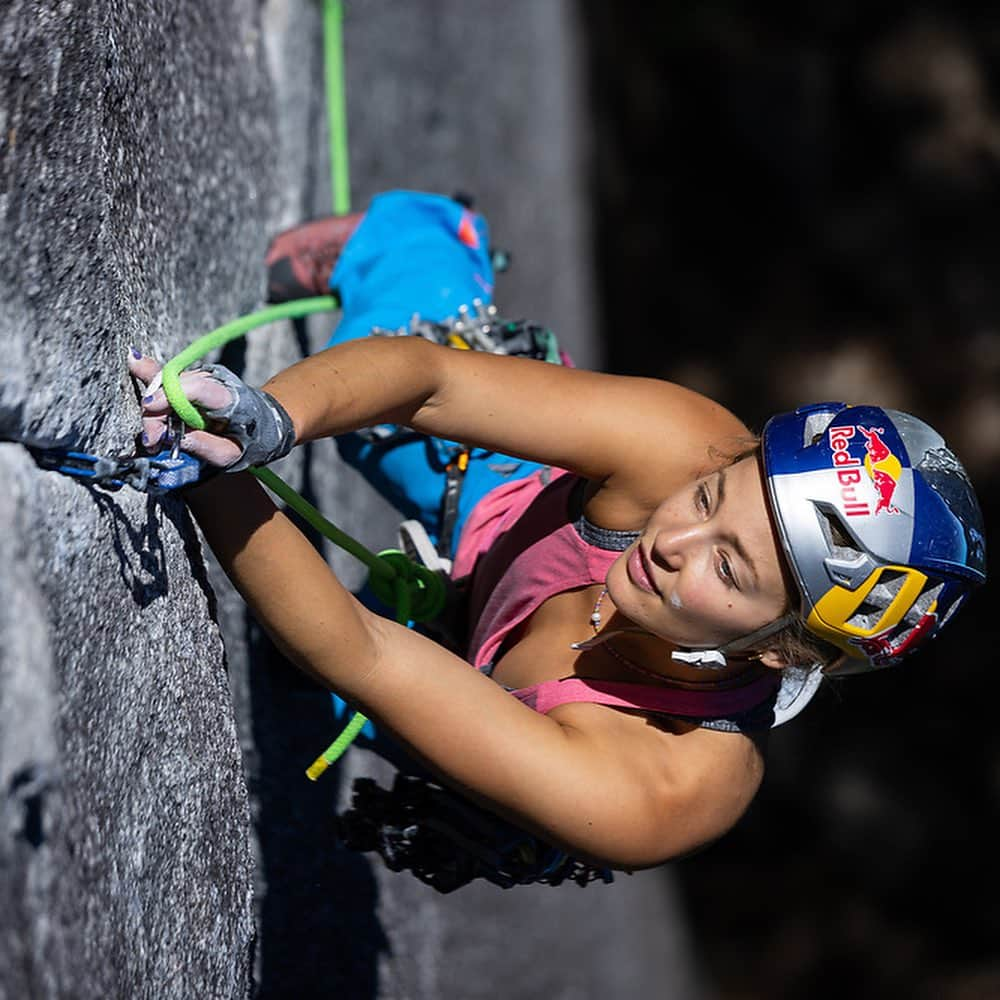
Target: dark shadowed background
[[798, 202]]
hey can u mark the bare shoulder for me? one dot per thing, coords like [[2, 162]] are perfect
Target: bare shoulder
[[671, 436], [720, 774], [691, 429]]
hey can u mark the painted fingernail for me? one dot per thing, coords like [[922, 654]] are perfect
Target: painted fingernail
[[147, 399], [136, 353], [145, 438]]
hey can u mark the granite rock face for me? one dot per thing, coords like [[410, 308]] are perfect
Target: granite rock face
[[147, 153], [135, 179]]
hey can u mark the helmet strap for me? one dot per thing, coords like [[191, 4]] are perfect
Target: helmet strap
[[715, 659], [752, 639], [701, 659]]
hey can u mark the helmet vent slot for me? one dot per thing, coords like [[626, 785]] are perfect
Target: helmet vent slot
[[878, 599], [815, 425], [840, 541], [866, 617], [924, 602], [888, 586]]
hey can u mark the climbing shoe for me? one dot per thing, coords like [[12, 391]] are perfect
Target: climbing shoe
[[300, 260]]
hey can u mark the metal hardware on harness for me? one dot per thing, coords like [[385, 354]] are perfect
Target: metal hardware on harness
[[482, 328], [447, 842], [454, 478]]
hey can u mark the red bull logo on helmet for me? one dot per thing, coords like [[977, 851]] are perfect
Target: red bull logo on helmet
[[848, 471], [881, 466]]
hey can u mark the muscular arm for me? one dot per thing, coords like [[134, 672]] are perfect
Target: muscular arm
[[606, 785], [600, 426]]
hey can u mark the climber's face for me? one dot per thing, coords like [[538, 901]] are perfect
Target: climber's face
[[706, 569]]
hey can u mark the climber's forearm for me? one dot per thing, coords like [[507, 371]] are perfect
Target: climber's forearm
[[357, 384], [283, 579], [595, 425]]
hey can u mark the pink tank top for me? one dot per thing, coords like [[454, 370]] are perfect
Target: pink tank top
[[520, 547]]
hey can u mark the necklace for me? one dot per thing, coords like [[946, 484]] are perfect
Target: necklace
[[595, 624]]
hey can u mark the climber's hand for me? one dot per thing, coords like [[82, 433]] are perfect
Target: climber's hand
[[245, 426], [206, 394]]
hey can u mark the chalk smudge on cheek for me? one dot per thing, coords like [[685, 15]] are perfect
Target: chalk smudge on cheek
[[675, 601]]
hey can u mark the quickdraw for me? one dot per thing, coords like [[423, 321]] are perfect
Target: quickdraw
[[155, 474]]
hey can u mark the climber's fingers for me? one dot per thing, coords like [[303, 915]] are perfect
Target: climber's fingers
[[157, 432], [200, 388], [141, 368], [146, 371], [154, 433], [257, 428], [214, 449]]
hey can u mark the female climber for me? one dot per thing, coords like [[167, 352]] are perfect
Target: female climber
[[646, 584]]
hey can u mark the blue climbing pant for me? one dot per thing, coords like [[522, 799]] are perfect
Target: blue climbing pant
[[418, 254]]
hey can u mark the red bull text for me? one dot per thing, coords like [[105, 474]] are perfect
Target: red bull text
[[880, 465]]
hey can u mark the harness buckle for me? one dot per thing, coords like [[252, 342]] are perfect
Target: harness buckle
[[416, 543]]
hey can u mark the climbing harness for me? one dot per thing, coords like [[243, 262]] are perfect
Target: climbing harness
[[480, 328]]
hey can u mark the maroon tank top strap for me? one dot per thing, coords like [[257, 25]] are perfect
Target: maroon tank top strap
[[645, 697]]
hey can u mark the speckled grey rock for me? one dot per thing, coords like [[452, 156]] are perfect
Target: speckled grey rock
[[136, 171], [124, 850]]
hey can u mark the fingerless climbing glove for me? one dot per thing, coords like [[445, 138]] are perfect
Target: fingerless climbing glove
[[254, 419]]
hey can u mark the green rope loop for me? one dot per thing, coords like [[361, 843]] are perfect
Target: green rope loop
[[422, 589], [222, 335]]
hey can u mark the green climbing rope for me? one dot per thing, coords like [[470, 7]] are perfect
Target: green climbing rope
[[378, 566], [418, 593], [221, 336], [336, 104]]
